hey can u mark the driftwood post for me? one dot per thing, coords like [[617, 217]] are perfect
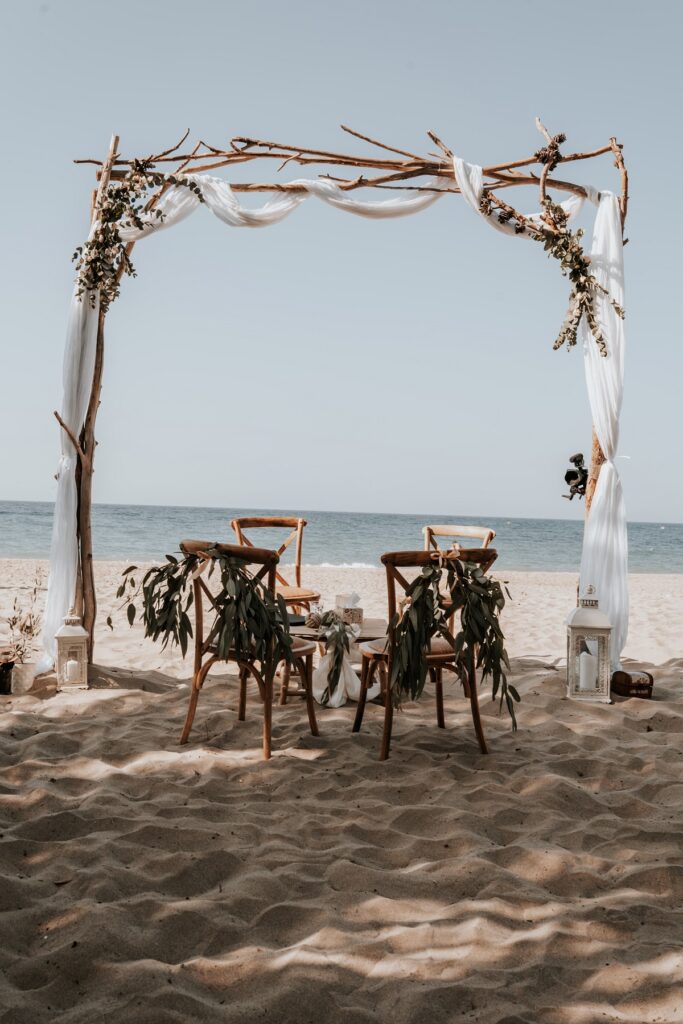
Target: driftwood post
[[88, 445], [86, 597]]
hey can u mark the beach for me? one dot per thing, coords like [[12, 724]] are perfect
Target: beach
[[148, 882]]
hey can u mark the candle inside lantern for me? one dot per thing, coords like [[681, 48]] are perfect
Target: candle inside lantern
[[588, 671], [72, 672]]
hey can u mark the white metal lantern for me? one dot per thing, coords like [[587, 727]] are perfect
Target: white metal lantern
[[72, 653], [589, 659]]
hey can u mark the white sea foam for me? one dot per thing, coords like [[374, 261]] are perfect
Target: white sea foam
[[343, 565]]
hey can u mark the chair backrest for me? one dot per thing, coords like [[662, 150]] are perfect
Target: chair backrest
[[394, 561], [295, 525], [261, 562], [453, 532]]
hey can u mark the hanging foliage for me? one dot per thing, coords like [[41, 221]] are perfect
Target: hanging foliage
[[248, 620], [442, 588]]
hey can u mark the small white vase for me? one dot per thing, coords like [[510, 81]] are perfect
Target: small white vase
[[22, 677]]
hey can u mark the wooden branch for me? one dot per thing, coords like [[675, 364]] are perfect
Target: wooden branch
[[72, 437], [266, 150], [442, 146], [382, 145], [166, 152], [543, 130], [106, 171], [619, 162]]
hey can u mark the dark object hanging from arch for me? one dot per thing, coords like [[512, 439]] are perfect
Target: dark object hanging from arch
[[576, 478]]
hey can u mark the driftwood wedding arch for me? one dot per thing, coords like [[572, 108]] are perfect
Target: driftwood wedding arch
[[128, 194]]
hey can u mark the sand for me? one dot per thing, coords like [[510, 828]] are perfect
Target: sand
[[152, 884]]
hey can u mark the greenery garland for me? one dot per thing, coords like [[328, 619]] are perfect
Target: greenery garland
[[103, 258], [425, 613], [248, 620]]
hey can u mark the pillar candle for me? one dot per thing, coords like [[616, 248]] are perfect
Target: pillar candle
[[73, 672], [588, 671]]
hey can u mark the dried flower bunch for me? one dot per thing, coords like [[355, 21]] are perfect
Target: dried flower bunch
[[564, 245], [25, 623]]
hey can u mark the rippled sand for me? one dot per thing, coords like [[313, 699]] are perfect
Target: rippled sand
[[144, 882]]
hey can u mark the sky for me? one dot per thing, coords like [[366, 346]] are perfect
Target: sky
[[331, 362]]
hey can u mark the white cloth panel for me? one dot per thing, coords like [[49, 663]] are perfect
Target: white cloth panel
[[79, 358], [348, 687], [77, 374], [604, 561], [399, 207]]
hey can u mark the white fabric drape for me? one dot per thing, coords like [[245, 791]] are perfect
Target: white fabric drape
[[77, 375], [470, 179], [604, 558], [79, 359], [604, 561]]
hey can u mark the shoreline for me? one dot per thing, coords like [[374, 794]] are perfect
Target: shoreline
[[533, 620], [43, 563]]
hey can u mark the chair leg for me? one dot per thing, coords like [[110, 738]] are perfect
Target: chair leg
[[194, 697], [440, 720], [242, 707], [360, 708], [267, 714], [382, 668], [388, 720], [474, 704], [197, 683], [307, 669], [284, 683]]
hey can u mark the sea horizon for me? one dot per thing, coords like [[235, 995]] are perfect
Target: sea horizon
[[332, 538]]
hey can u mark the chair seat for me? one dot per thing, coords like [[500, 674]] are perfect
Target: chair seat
[[301, 647], [297, 595], [438, 649]]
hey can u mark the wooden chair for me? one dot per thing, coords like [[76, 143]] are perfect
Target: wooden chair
[[295, 596], [453, 532], [266, 568], [377, 654]]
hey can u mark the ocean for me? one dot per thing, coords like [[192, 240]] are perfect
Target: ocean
[[148, 532]]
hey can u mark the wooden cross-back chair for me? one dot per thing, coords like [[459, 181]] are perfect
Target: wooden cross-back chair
[[296, 596], [262, 564], [377, 654]]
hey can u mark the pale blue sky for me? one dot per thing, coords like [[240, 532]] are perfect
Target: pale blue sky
[[331, 362]]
